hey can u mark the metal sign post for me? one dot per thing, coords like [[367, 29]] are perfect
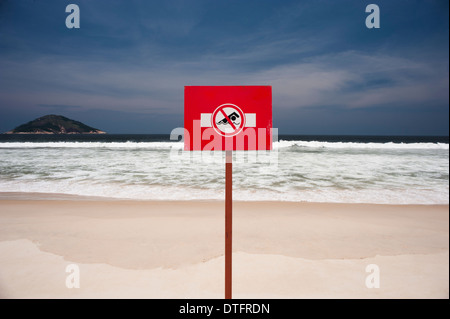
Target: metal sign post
[[228, 223]]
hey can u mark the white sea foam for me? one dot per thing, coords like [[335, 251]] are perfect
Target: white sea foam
[[282, 144], [157, 192], [389, 173], [112, 145], [353, 145]]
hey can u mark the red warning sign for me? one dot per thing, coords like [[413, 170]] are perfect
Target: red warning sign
[[227, 118]]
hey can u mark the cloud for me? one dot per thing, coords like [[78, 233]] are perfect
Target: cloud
[[349, 79], [357, 80], [59, 107]]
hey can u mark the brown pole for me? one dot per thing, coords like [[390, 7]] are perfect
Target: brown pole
[[228, 221]]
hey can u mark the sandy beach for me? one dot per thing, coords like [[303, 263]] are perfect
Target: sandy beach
[[151, 249]]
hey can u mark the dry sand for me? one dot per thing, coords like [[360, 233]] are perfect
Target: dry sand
[[149, 249]]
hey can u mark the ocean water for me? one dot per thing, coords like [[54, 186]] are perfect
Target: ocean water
[[339, 169]]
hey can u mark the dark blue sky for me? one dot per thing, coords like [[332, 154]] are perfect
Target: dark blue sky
[[124, 70]]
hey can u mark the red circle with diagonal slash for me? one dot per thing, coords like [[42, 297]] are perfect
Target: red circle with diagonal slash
[[237, 129]]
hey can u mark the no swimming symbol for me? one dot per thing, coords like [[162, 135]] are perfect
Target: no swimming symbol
[[228, 120]]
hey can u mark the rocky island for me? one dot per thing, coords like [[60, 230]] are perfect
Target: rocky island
[[54, 124]]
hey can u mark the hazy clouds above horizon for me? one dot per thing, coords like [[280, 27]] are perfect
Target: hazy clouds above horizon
[[125, 68]]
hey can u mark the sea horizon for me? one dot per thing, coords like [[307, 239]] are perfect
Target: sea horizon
[[363, 138]]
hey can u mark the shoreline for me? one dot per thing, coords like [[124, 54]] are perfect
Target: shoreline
[[34, 196], [174, 249]]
